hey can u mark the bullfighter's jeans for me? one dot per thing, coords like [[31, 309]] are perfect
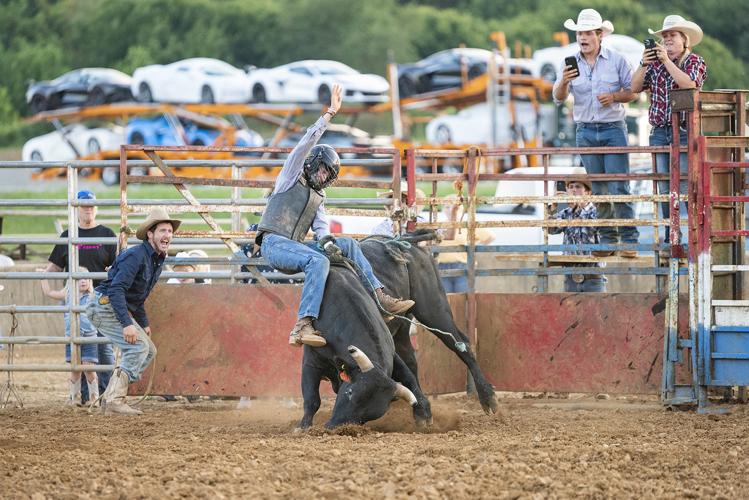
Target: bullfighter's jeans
[[135, 357], [608, 134], [661, 136], [291, 256]]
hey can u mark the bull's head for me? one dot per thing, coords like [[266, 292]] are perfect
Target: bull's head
[[368, 395]]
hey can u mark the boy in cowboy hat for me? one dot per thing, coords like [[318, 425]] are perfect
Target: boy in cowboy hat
[[118, 310], [580, 235], [600, 88], [671, 65]]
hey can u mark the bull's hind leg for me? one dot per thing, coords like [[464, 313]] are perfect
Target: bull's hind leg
[[439, 316], [422, 410]]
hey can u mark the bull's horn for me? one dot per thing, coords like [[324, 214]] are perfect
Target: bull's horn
[[361, 359], [402, 392]]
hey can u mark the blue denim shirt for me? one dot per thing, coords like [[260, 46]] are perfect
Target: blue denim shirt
[[610, 73], [129, 282]]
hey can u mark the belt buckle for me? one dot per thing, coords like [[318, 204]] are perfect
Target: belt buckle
[[578, 278], [104, 300]]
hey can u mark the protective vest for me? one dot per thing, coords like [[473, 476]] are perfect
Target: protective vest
[[290, 213]]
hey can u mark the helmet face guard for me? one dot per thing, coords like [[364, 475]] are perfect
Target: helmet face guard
[[321, 167]]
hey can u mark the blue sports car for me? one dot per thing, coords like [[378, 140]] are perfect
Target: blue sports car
[[164, 131]]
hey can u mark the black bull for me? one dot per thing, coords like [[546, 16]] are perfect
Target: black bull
[[410, 272], [365, 362]]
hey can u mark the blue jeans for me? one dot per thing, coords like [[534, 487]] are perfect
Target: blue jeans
[[135, 357], [291, 256], [454, 284], [589, 285], [662, 136], [608, 134]]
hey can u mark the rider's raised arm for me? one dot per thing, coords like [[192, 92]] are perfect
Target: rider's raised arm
[[292, 167]]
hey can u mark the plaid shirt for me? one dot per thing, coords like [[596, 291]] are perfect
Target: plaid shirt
[[578, 235], [660, 82]]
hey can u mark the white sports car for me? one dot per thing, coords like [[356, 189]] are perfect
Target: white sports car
[[199, 79], [549, 60], [472, 125], [71, 142], [312, 81]]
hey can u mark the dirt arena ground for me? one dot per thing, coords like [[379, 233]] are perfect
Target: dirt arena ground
[[536, 448]]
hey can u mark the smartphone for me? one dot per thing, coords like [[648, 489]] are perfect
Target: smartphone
[[649, 44], [572, 61]]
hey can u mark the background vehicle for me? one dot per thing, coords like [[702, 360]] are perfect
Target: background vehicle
[[163, 131], [312, 81], [472, 125], [548, 61], [199, 79], [71, 142], [92, 86], [443, 70], [341, 136]]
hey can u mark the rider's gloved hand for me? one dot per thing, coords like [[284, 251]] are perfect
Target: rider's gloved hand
[[328, 245]]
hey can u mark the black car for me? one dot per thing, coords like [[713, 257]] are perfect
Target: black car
[[443, 70], [87, 86]]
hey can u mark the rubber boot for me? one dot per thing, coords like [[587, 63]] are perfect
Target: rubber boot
[[93, 390], [74, 392]]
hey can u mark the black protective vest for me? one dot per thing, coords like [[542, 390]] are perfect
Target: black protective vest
[[290, 213]]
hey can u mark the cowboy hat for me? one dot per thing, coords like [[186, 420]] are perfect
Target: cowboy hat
[[678, 23], [580, 171], [155, 216], [589, 20]]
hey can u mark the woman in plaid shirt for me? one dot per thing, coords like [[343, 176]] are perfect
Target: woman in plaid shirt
[[671, 65]]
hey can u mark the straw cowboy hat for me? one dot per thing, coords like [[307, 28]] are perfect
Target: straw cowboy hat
[[404, 192], [589, 20], [580, 171], [678, 23], [154, 217]]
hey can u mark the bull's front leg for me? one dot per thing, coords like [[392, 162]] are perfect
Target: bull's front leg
[[311, 377], [422, 410]]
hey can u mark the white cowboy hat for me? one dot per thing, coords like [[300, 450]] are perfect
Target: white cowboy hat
[[678, 23], [154, 217], [589, 20]]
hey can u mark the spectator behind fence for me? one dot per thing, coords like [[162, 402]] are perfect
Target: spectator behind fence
[[386, 227], [96, 257], [454, 237], [670, 65], [88, 352], [600, 85], [182, 268], [586, 210]]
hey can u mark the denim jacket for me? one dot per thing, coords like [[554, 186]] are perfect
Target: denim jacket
[[129, 282]]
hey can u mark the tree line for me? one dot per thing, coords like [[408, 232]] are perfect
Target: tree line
[[41, 39]]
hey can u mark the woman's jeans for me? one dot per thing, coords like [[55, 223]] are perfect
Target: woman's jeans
[[663, 136], [612, 135]]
